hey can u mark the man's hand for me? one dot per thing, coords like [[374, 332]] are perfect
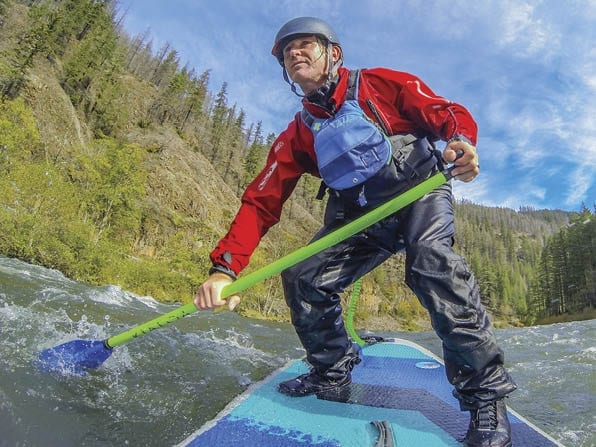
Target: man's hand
[[208, 297], [466, 166]]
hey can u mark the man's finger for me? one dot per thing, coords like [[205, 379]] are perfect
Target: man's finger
[[233, 301]]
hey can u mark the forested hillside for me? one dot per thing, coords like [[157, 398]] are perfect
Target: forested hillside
[[121, 166]]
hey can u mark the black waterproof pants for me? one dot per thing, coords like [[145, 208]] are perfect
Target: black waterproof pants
[[438, 276]]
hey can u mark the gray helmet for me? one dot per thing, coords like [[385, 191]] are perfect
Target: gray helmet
[[302, 26]]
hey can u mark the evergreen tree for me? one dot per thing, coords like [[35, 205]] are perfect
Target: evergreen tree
[[135, 50], [567, 268], [166, 66], [38, 39], [255, 157], [218, 119], [233, 154], [196, 98], [92, 69]]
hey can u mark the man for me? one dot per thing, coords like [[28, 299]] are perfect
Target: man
[[411, 116]]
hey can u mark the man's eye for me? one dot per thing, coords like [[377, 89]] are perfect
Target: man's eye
[[298, 45]]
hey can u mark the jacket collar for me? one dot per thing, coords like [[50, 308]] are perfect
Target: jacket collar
[[334, 102]]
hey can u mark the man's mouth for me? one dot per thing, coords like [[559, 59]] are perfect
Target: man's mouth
[[297, 63]]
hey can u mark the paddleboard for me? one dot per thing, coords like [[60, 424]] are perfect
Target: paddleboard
[[399, 396]]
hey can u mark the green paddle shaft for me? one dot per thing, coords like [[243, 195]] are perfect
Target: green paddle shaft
[[336, 236]]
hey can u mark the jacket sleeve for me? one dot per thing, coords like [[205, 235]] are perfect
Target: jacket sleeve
[[262, 202], [417, 103]]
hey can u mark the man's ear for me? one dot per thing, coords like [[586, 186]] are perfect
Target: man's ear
[[336, 53]]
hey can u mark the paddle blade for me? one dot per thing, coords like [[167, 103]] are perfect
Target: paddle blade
[[74, 357]]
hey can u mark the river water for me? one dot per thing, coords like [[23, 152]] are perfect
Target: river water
[[157, 389]]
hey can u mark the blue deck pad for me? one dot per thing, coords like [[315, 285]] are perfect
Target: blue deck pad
[[244, 432], [397, 383]]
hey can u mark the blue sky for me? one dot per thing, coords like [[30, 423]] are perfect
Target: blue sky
[[525, 69]]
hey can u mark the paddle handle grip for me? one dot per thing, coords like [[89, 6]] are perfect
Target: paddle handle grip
[[336, 236]]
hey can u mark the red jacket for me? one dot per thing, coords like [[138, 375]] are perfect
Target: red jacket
[[405, 104]]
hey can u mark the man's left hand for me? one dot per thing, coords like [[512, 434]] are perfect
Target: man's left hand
[[466, 166]]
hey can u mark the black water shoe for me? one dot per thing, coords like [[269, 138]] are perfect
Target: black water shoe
[[489, 426], [312, 383]]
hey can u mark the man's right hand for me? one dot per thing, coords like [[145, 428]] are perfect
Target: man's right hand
[[208, 297], [466, 163]]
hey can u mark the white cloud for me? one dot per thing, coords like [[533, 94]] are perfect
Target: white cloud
[[477, 191], [524, 32], [580, 183]]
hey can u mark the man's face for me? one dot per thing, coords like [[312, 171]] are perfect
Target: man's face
[[306, 62]]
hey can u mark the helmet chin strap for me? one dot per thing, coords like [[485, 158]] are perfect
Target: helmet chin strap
[[291, 83], [323, 89]]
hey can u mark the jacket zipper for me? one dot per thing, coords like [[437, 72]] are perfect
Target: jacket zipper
[[375, 112]]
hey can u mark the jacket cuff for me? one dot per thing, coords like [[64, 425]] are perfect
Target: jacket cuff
[[218, 268], [460, 137]]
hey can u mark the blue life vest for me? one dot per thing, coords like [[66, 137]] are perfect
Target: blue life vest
[[350, 148]]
